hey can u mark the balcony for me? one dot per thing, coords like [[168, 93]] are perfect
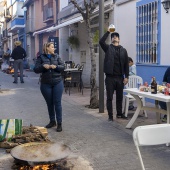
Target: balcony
[[17, 23], [48, 13], [29, 26]]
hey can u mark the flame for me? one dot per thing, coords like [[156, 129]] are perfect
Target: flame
[[38, 167]]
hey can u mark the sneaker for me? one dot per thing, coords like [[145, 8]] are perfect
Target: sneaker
[[22, 81], [51, 124], [121, 116], [15, 82], [110, 118], [59, 127], [131, 107], [164, 119]]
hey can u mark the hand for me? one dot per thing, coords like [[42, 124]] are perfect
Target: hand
[[125, 81], [53, 66], [47, 66]]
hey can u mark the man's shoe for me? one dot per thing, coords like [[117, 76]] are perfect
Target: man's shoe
[[121, 116], [22, 81], [59, 127], [51, 124], [164, 119], [15, 82], [131, 107], [110, 119]]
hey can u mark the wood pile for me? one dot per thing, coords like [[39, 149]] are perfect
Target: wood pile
[[29, 134]]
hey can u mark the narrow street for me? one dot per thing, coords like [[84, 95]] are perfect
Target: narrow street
[[106, 145]]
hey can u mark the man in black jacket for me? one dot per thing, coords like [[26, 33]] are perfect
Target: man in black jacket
[[18, 54], [116, 69]]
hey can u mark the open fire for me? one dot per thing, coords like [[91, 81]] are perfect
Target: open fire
[[62, 165], [44, 167]]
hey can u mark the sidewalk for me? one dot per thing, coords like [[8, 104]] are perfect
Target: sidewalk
[[106, 145]]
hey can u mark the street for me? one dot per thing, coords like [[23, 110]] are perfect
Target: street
[[106, 145]]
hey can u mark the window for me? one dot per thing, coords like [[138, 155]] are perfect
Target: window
[[147, 33]]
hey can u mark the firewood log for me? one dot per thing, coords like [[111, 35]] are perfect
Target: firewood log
[[8, 145]]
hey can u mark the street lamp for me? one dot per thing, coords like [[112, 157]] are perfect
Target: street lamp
[[166, 5]]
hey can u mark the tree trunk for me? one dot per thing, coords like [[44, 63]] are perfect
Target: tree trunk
[[89, 7], [94, 102]]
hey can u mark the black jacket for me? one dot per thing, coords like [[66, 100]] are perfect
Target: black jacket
[[166, 77], [18, 53], [109, 57], [49, 76]]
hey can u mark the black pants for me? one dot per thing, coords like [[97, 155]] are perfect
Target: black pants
[[114, 84]]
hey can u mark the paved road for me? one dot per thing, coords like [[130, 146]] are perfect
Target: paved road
[[106, 145]]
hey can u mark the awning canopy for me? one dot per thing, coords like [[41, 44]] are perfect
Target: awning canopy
[[69, 22], [41, 31]]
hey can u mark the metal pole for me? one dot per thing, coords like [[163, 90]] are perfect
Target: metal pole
[[101, 58]]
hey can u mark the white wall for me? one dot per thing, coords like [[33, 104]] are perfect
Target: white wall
[[63, 3], [63, 45], [125, 23], [165, 37]]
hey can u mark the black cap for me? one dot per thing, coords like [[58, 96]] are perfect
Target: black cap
[[115, 34]]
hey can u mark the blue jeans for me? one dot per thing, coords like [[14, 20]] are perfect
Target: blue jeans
[[52, 95]]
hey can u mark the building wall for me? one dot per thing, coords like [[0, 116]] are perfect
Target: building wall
[[165, 37], [125, 23], [63, 45]]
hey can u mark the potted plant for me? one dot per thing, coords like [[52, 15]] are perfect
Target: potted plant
[[73, 41]]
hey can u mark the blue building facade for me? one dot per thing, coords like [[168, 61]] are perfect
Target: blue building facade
[[148, 40]]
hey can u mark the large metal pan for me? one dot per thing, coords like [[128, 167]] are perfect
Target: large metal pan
[[40, 153]]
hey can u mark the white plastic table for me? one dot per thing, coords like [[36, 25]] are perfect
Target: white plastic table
[[157, 97]]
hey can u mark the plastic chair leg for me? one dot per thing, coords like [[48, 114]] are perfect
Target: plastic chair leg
[[127, 106]]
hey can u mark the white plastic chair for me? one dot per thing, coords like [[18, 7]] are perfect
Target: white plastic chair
[[150, 135], [134, 82]]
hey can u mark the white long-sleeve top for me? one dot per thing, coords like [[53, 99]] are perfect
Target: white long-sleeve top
[[132, 70]]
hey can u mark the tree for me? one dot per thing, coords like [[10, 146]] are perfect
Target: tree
[[86, 13]]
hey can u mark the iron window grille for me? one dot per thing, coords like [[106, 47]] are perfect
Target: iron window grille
[[147, 33]]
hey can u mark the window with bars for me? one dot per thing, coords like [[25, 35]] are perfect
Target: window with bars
[[147, 33]]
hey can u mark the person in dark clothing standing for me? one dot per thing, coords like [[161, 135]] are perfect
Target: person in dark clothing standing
[[116, 69], [50, 66], [18, 54], [166, 79]]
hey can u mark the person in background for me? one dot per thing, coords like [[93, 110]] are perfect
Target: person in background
[[50, 67], [116, 68], [18, 54], [132, 71], [166, 79], [7, 55], [132, 67], [1, 52]]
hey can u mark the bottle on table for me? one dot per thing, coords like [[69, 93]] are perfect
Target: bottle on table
[[153, 86]]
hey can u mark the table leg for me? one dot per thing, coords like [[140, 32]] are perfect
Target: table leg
[[139, 106], [168, 112], [157, 113]]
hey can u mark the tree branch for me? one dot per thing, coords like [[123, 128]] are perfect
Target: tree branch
[[78, 7], [92, 6]]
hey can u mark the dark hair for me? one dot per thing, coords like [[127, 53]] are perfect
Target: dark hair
[[130, 59], [115, 34]]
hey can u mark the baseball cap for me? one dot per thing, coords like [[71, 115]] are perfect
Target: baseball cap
[[115, 34]]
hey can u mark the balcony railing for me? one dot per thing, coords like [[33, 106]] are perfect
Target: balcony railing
[[48, 12]]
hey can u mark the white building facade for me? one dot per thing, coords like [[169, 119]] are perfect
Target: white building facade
[[143, 27]]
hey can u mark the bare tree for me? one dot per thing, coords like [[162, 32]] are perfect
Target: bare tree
[[86, 13]]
